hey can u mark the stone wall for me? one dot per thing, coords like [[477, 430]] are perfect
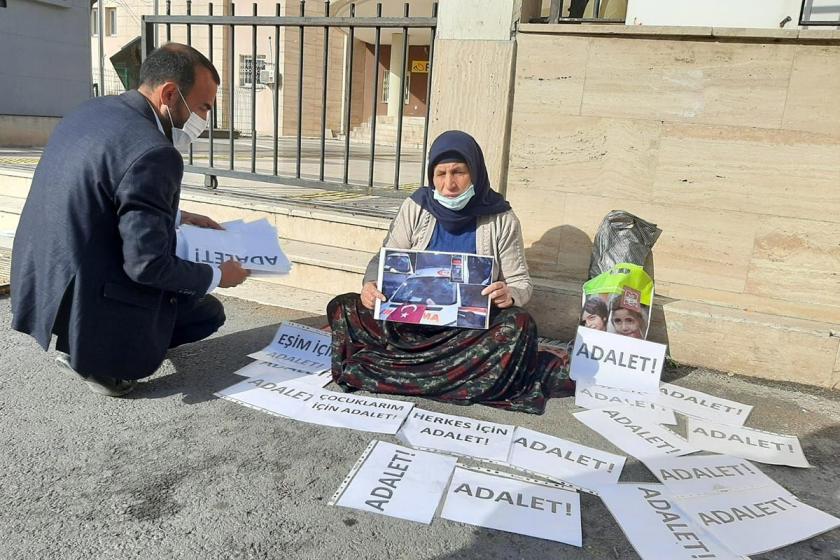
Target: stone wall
[[729, 140]]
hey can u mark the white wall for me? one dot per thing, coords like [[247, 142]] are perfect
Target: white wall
[[45, 69], [714, 13]]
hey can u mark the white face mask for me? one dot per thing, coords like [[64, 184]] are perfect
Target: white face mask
[[458, 202], [192, 129]]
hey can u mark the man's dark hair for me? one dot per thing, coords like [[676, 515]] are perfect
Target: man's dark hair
[[174, 62]]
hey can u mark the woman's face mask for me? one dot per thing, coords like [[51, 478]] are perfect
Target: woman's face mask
[[458, 202], [192, 129]]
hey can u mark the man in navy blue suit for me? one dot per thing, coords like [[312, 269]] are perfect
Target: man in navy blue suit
[[94, 254]]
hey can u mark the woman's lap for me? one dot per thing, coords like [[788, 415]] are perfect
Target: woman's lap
[[499, 366]]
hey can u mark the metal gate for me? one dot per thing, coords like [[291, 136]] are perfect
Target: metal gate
[[318, 162]]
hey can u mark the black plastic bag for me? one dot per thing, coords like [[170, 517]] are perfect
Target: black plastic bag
[[621, 238]]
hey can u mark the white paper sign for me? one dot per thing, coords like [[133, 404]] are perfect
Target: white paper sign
[[285, 373], [603, 358], [757, 445], [564, 460], [299, 347], [512, 505], [396, 481], [695, 403], [704, 474], [598, 396], [634, 433], [457, 434], [303, 401], [273, 393], [255, 246], [345, 410], [657, 528], [757, 520]]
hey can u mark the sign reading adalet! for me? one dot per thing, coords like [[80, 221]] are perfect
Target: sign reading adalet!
[[602, 358]]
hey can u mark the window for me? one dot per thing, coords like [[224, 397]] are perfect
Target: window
[[246, 68], [386, 86], [110, 21]]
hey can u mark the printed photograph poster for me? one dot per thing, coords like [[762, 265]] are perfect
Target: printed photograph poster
[[434, 288], [396, 481], [657, 528], [299, 347], [702, 405], [757, 520], [598, 396], [603, 358], [260, 369], [457, 434], [706, 474], [254, 245], [564, 460], [634, 432], [273, 393], [512, 505], [748, 443], [355, 412]]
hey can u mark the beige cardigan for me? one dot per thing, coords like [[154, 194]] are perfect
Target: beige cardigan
[[499, 236]]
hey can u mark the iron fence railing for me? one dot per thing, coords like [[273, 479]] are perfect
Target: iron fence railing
[[299, 28]]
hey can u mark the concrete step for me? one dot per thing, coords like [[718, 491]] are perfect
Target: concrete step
[[293, 222], [749, 343], [10, 209], [267, 293], [386, 132], [330, 251], [319, 273]]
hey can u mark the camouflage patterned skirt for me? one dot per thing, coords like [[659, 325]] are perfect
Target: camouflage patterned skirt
[[498, 367]]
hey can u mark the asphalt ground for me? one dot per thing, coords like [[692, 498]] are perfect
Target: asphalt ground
[[174, 473]]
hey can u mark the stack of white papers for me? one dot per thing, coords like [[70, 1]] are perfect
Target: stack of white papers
[[253, 244]]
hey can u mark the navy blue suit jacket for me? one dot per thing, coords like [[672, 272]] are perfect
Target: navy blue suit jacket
[[96, 238]]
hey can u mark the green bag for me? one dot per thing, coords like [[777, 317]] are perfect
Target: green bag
[[619, 301]]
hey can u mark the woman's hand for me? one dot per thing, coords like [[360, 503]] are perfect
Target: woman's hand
[[370, 294], [499, 294]]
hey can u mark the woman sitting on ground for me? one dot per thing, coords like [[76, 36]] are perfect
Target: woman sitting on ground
[[499, 366]]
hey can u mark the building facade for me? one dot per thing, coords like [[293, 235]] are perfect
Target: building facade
[[45, 69]]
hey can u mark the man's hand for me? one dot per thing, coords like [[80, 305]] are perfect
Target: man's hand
[[198, 220], [370, 294], [499, 294], [232, 274]]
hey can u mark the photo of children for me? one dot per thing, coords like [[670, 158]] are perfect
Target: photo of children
[[618, 301], [595, 313], [627, 321], [434, 288]]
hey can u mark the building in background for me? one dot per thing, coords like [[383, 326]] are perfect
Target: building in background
[[122, 28], [45, 69]]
